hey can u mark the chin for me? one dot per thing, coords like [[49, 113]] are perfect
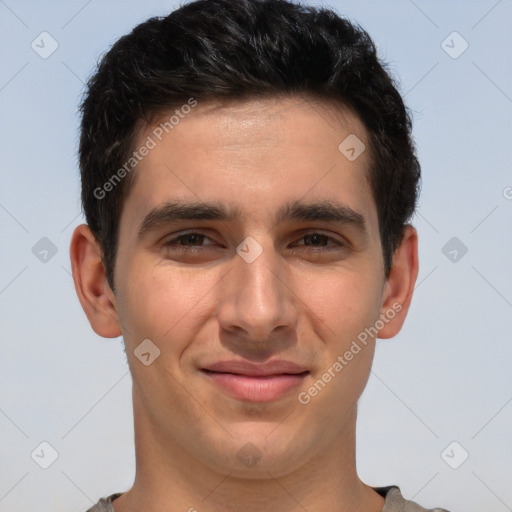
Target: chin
[[258, 451]]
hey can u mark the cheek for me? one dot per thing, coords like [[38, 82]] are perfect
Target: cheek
[[164, 304], [344, 307], [345, 304]]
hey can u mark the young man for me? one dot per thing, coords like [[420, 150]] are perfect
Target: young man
[[247, 179]]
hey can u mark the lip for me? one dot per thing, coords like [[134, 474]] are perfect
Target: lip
[[251, 382], [275, 367]]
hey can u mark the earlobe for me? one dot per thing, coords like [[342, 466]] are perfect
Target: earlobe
[[399, 285], [91, 285]]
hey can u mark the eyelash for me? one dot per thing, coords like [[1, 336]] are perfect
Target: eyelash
[[175, 242]]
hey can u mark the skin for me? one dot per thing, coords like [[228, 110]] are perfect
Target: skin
[[296, 301]]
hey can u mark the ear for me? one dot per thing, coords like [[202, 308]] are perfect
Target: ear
[[95, 295], [399, 285]]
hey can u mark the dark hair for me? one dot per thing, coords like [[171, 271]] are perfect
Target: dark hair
[[229, 50]]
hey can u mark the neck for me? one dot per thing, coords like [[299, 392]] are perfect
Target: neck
[[169, 479]]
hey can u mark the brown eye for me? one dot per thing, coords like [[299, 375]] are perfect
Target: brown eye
[[190, 239], [191, 247], [320, 240], [316, 239]]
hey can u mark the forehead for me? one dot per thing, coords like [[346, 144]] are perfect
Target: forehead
[[254, 155], [272, 121]]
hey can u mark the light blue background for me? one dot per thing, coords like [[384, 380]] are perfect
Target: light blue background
[[445, 378]]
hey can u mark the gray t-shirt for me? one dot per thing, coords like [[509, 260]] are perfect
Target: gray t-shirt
[[395, 502]]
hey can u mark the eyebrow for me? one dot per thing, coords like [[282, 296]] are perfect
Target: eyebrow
[[327, 211]]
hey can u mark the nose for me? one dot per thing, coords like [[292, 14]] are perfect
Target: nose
[[258, 308]]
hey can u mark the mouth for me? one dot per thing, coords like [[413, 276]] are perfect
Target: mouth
[[255, 388]]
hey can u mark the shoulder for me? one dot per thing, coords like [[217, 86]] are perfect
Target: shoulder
[[105, 504], [395, 502]]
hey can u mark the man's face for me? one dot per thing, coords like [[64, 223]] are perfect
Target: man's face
[[301, 288]]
